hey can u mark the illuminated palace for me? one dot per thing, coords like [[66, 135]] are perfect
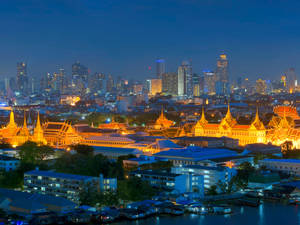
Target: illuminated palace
[[228, 127], [16, 136], [284, 126], [60, 134]]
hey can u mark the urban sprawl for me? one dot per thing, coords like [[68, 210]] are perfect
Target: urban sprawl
[[89, 148]]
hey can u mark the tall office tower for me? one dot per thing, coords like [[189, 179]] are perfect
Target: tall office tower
[[13, 84], [239, 82], [246, 85], [291, 80], [79, 72], [198, 84], [110, 83], [222, 74], [209, 82], [6, 83], [96, 82], [160, 68], [185, 80], [22, 78], [80, 75], [32, 85], [170, 83], [60, 81], [155, 86], [124, 86], [261, 87]]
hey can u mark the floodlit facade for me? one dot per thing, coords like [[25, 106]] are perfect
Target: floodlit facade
[[280, 129], [228, 127], [15, 135]]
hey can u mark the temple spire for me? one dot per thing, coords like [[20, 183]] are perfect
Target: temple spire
[[203, 119], [228, 114], [38, 122], [162, 111], [11, 119], [38, 134], [256, 115], [25, 122], [256, 122]]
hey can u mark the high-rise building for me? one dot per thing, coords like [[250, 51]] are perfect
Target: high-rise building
[[170, 83], [291, 80], [261, 86], [22, 77], [198, 84], [160, 68], [209, 82], [155, 86], [110, 83], [185, 80], [97, 82], [60, 81], [79, 72], [222, 74]]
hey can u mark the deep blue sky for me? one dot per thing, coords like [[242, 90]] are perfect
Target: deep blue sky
[[124, 37]]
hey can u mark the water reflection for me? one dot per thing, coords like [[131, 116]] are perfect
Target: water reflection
[[265, 214], [242, 210], [261, 214]]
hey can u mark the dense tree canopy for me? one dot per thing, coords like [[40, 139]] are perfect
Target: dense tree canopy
[[31, 152], [88, 164]]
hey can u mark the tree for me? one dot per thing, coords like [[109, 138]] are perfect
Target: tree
[[88, 196], [28, 152], [245, 169], [222, 186], [83, 149], [212, 190], [88, 164], [135, 189], [3, 214], [45, 151], [110, 198], [31, 152], [92, 197]]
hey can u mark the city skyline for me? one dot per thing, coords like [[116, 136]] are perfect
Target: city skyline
[[124, 39]]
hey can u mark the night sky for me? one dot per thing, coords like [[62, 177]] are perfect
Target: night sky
[[124, 37]]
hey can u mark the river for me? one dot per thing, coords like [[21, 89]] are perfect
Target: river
[[265, 214]]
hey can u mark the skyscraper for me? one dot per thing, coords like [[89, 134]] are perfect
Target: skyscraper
[[209, 82], [222, 74], [170, 83], [59, 81], [110, 83], [80, 75], [261, 86], [156, 86], [22, 78], [198, 84], [79, 71], [185, 80], [160, 68], [291, 80]]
